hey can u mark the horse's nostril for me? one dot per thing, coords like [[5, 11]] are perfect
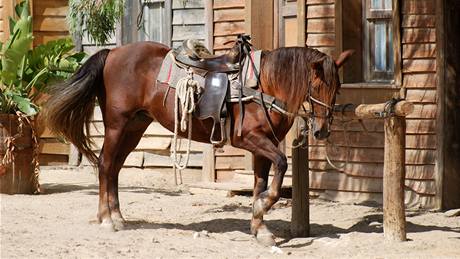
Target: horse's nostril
[[317, 134]]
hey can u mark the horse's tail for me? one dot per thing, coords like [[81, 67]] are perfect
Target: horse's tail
[[70, 108]]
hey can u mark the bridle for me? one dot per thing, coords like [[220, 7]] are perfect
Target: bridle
[[329, 109], [311, 114]]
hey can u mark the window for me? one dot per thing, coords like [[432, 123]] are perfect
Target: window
[[378, 40], [367, 27]]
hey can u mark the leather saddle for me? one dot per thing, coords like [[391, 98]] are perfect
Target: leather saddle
[[193, 55]]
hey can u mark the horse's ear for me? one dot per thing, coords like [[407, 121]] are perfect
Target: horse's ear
[[318, 64], [344, 57]]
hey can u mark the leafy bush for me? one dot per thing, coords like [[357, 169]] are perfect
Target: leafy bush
[[26, 72], [96, 18]]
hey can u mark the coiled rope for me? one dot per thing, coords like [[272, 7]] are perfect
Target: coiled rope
[[185, 97]]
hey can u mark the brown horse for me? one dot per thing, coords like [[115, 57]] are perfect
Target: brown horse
[[124, 81]]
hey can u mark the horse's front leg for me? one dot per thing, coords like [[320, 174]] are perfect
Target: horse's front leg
[[264, 148], [261, 172]]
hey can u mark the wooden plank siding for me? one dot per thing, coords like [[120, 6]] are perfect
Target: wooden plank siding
[[187, 21], [49, 20], [49, 24], [228, 21], [320, 25], [153, 148], [3, 21], [356, 149], [419, 79]]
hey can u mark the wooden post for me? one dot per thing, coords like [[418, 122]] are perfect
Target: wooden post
[[208, 172], [259, 22], [300, 218], [301, 20], [209, 24], [394, 220]]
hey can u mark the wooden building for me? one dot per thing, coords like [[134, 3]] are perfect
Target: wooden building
[[401, 51], [404, 48]]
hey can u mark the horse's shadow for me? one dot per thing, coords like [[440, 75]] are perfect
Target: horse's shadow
[[52, 188], [92, 189], [281, 228]]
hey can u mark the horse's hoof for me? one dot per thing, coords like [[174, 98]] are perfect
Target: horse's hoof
[[118, 224], [107, 224], [265, 237]]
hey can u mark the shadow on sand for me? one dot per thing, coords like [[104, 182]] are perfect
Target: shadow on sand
[[280, 228], [93, 189]]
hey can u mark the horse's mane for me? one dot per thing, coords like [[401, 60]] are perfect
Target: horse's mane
[[288, 70]]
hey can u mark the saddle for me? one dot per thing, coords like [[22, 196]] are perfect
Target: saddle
[[194, 54], [213, 73]]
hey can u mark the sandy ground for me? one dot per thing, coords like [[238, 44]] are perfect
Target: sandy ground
[[165, 221]]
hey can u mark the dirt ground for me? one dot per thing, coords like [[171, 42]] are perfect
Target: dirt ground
[[165, 221]]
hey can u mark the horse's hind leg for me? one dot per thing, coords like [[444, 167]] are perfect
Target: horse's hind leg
[[118, 143]]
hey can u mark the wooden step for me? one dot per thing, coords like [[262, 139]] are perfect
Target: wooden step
[[230, 189], [227, 189], [249, 174]]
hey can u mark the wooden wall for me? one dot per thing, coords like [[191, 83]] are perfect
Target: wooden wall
[[227, 22], [419, 78], [49, 24], [187, 22], [3, 21], [152, 150], [49, 20], [320, 25], [448, 45], [357, 151]]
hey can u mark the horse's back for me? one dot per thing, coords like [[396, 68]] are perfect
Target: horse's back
[[130, 74], [139, 53]]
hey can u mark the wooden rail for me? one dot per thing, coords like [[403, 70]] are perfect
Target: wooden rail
[[394, 220]]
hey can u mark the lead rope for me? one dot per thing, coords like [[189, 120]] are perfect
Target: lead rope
[[185, 97], [347, 153], [387, 111], [347, 145]]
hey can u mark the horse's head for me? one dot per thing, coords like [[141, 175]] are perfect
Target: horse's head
[[325, 84]]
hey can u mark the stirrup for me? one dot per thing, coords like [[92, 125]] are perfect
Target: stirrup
[[223, 135]]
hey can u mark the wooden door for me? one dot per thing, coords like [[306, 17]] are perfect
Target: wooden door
[[287, 30]]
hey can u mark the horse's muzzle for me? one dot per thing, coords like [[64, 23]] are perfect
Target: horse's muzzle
[[321, 134]]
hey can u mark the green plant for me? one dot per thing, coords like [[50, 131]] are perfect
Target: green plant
[[25, 72], [96, 18]]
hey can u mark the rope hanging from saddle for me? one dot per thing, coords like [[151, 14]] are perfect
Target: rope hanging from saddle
[[186, 89]]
